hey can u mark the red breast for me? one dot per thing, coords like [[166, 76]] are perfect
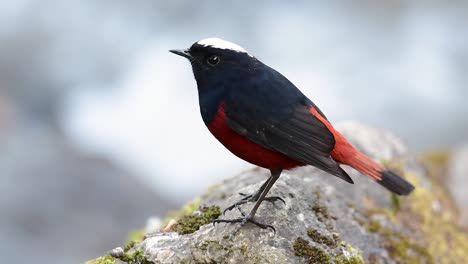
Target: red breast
[[246, 149]]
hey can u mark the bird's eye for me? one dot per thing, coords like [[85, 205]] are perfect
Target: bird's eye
[[213, 60]]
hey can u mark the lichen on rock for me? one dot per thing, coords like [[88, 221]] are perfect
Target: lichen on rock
[[190, 223], [312, 254]]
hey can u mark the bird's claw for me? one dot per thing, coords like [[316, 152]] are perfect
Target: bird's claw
[[236, 205], [273, 199], [252, 198], [243, 220]]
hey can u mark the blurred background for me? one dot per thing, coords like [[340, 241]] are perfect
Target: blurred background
[[100, 126]]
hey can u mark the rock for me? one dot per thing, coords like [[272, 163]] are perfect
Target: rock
[[325, 220], [458, 181], [117, 252]]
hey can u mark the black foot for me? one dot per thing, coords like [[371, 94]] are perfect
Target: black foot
[[252, 198], [271, 199], [243, 220]]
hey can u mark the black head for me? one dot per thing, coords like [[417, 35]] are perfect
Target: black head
[[215, 61]]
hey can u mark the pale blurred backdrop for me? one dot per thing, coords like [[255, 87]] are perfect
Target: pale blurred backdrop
[[100, 126]]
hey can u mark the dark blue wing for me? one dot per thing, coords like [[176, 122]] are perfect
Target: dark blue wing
[[273, 113]]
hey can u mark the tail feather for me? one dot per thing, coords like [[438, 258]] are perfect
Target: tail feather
[[344, 152], [395, 183], [382, 176], [340, 173]]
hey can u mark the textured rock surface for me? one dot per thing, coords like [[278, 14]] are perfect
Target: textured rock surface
[[325, 220], [458, 181]]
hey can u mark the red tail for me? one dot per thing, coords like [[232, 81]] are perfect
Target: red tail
[[345, 153]]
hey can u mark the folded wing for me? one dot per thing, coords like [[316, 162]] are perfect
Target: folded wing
[[292, 131]]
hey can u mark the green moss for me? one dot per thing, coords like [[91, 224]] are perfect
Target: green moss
[[397, 165], [396, 204], [437, 232], [311, 254], [403, 249], [351, 260], [187, 209], [400, 247], [360, 221], [135, 257], [336, 247], [438, 158], [134, 237], [210, 244], [129, 245], [321, 211], [191, 223], [225, 251], [435, 236], [337, 250], [107, 259], [316, 236], [317, 195], [373, 226], [389, 213], [336, 237], [191, 206], [436, 163], [353, 252]]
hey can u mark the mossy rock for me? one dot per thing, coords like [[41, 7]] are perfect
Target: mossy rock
[[106, 259], [325, 220], [190, 223]]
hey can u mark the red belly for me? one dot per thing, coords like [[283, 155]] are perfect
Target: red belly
[[246, 149]]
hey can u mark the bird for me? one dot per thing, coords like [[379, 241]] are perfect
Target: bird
[[264, 119]]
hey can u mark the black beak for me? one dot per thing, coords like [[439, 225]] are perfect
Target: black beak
[[184, 53]]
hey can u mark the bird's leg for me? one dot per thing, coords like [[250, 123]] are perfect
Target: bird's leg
[[257, 193], [254, 197], [249, 217], [248, 197]]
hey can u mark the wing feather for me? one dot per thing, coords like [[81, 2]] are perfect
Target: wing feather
[[297, 134]]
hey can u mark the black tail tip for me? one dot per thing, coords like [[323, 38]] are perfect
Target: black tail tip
[[395, 183]]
